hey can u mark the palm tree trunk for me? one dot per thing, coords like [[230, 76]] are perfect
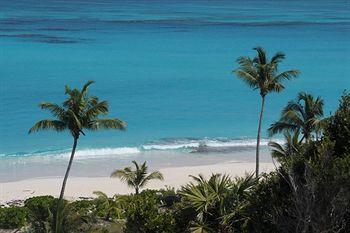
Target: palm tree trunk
[[68, 168], [259, 137], [136, 190], [59, 216]]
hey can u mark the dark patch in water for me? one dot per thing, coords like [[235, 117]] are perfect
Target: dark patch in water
[[203, 22], [17, 21], [8, 30], [47, 38], [57, 29]]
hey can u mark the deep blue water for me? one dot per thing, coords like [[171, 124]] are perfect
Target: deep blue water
[[164, 66]]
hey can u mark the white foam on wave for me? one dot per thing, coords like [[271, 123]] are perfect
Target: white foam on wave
[[181, 144], [207, 142], [83, 153], [172, 146], [103, 152]]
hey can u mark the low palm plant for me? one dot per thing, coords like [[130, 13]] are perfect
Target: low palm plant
[[137, 178], [262, 74], [218, 201], [304, 115]]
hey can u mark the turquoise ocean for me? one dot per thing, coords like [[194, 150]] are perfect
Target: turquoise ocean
[[164, 67]]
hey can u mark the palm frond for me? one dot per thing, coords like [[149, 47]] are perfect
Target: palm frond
[[48, 124], [106, 124], [55, 109], [277, 58], [68, 90], [249, 79], [97, 109], [199, 179], [286, 75], [291, 146], [152, 176], [200, 227], [100, 195], [274, 87], [261, 55], [125, 173], [85, 87], [280, 126], [136, 165], [277, 150]]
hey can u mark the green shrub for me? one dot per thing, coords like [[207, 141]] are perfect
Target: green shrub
[[169, 196], [12, 217], [109, 208], [184, 215], [84, 208], [144, 213], [338, 127], [41, 210], [80, 216]]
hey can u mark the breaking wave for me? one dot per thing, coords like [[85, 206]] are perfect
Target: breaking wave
[[180, 144], [175, 144]]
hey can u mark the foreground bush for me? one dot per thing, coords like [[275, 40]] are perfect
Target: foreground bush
[[144, 213], [40, 210], [12, 217]]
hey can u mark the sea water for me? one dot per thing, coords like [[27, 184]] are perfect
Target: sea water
[[164, 67]]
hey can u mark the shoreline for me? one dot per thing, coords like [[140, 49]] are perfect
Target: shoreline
[[83, 187]]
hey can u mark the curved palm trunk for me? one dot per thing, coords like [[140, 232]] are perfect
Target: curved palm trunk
[[68, 168], [59, 212], [259, 137]]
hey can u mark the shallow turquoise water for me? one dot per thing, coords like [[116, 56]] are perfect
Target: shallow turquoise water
[[164, 67]]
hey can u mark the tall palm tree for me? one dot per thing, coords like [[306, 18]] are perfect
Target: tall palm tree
[[262, 74], [78, 112], [137, 178], [304, 114]]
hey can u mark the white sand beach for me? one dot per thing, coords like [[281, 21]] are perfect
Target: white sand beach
[[84, 186]]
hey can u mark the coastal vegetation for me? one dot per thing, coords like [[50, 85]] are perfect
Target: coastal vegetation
[[308, 192], [262, 74]]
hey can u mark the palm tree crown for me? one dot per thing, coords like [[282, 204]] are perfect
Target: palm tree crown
[[137, 178], [303, 115], [261, 73], [78, 112]]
